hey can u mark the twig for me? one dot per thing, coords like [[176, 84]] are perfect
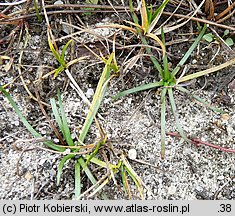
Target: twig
[[110, 9], [200, 20], [226, 17], [225, 11], [220, 189], [13, 3], [199, 142]]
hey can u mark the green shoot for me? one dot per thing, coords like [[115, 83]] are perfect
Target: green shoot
[[61, 120], [189, 52], [200, 100], [163, 121], [168, 82], [61, 57], [37, 11], [78, 185], [175, 113], [61, 165], [48, 143], [207, 71], [99, 95]]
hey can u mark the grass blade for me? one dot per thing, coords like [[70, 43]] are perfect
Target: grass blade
[[144, 16], [125, 182], [77, 180], [50, 144], [65, 123], [61, 165], [87, 171], [65, 48], [189, 52], [148, 50], [163, 122], [137, 89], [132, 10], [143, 39], [102, 163], [57, 71], [201, 100], [98, 97], [166, 72], [175, 113], [100, 143], [57, 116], [207, 71], [156, 16], [90, 175], [35, 2], [55, 53], [133, 175]]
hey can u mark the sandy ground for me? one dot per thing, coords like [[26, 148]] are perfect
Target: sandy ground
[[188, 172]]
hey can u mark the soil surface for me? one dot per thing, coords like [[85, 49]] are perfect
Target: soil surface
[[28, 169]]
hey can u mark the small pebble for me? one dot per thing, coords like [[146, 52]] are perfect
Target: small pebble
[[58, 2], [90, 92], [28, 176], [220, 177], [132, 154], [171, 190]]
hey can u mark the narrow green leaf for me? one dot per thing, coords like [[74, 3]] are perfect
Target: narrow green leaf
[[65, 126], [166, 72], [133, 175], [149, 13], [143, 39], [132, 10], [98, 97], [161, 7], [200, 100], [37, 11], [207, 71], [87, 171], [50, 144], [189, 52], [163, 121], [90, 176], [61, 165], [123, 172], [153, 59], [156, 16], [57, 115], [95, 151], [77, 177], [139, 88], [65, 48], [101, 163], [175, 113], [55, 53], [58, 70]]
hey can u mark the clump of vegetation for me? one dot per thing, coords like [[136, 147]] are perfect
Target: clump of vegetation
[[148, 30]]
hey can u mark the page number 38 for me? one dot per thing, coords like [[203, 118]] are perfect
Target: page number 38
[[225, 208]]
